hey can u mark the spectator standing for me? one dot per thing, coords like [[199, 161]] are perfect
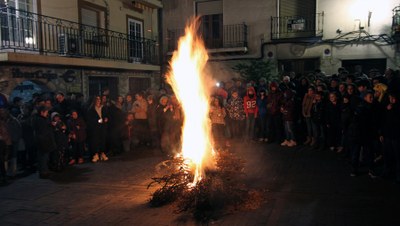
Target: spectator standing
[[318, 120], [287, 110], [274, 116], [235, 108], [97, 120], [139, 108], [5, 143], [15, 131], [57, 157], [44, 139], [77, 135], [390, 137], [333, 122], [361, 135], [164, 117], [251, 111], [127, 133], [152, 119], [116, 118], [217, 116], [306, 112], [262, 115]]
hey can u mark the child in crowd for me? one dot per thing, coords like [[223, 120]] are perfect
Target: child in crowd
[[77, 137], [217, 116], [127, 133], [57, 158]]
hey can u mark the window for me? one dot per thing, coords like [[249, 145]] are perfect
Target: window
[[211, 28], [18, 22], [135, 40], [93, 33], [297, 18], [211, 22], [94, 16]]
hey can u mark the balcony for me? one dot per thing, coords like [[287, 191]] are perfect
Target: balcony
[[23, 31], [297, 27], [233, 38]]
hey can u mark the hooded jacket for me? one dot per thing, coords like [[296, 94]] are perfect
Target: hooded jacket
[[274, 100], [250, 102]]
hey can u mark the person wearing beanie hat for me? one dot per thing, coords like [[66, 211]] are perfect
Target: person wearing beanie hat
[[54, 114], [286, 84]]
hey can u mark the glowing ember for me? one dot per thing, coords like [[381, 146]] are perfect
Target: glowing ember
[[189, 85]]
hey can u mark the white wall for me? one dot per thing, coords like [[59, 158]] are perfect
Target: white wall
[[347, 14]]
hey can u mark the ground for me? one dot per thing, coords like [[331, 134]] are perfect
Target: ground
[[302, 187]]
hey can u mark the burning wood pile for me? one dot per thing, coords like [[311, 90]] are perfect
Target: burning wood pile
[[199, 180], [220, 192]]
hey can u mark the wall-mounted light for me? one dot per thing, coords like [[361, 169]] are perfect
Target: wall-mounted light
[[29, 40], [359, 24]]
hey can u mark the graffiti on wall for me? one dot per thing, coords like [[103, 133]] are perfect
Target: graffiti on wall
[[68, 76], [64, 80]]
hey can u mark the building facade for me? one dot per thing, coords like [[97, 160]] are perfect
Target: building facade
[[79, 46], [297, 35]]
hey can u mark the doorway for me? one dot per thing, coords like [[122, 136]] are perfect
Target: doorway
[[364, 65]]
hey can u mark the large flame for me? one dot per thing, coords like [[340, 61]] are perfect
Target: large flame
[[189, 85]]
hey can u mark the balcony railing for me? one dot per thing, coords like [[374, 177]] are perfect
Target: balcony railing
[[232, 36], [297, 26], [27, 31]]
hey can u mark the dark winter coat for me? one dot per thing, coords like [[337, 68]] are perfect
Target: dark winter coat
[[152, 116], [390, 126], [332, 114], [44, 135], [164, 118], [96, 128], [287, 110], [60, 135], [346, 115], [274, 102], [80, 133], [362, 130], [318, 112]]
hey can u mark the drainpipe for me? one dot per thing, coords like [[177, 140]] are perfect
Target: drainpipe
[[160, 45]]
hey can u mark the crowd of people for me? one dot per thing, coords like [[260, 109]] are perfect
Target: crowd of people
[[356, 115]]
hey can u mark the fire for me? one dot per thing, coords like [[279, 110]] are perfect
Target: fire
[[189, 85]]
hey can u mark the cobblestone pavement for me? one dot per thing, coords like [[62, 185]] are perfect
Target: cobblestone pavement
[[303, 187]]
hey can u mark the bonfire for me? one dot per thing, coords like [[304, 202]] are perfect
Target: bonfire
[[199, 179]]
